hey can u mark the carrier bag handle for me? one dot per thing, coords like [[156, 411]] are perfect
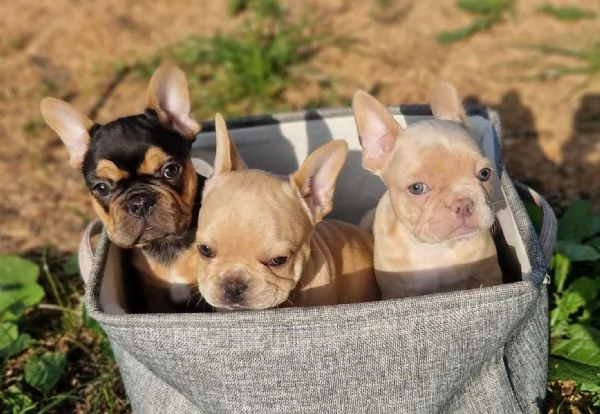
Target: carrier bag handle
[[547, 236]]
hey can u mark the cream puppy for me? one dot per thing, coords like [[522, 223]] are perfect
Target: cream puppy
[[263, 244], [432, 227]]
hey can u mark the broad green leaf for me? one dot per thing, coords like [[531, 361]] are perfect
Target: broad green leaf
[[18, 283], [9, 332], [20, 344], [14, 312], [29, 295], [577, 223], [15, 270], [561, 369], [595, 242], [581, 345], [577, 252], [44, 371]]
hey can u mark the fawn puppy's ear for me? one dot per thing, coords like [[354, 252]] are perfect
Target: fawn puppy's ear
[[168, 96], [446, 104], [315, 180], [377, 131], [71, 126], [227, 157]]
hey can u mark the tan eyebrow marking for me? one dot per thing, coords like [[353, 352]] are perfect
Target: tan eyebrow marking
[[153, 160], [108, 170]]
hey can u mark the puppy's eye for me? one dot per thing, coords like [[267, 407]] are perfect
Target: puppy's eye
[[171, 170], [205, 250], [277, 261], [484, 174], [418, 188], [101, 189]]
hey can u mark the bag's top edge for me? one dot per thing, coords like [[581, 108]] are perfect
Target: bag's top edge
[[434, 305], [239, 122]]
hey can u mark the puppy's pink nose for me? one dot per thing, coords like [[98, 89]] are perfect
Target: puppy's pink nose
[[463, 207]]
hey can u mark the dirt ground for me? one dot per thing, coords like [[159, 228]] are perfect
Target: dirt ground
[[68, 49]]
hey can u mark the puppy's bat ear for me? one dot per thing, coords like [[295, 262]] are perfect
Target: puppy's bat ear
[[227, 157], [71, 126], [377, 131], [316, 178], [168, 95], [446, 104]]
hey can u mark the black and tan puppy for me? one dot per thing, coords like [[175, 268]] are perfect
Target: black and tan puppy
[[143, 185]]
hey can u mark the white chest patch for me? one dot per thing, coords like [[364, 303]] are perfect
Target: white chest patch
[[179, 289]]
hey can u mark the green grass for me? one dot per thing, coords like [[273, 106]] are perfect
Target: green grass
[[54, 358], [488, 13], [585, 63], [569, 12], [250, 68]]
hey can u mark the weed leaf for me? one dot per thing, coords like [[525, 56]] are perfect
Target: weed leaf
[[563, 369], [561, 266], [582, 345], [18, 282], [14, 400], [577, 252], [20, 344], [580, 294], [8, 334], [577, 222], [44, 371], [566, 12], [484, 7]]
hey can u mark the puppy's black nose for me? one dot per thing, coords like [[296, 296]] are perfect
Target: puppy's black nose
[[141, 205], [234, 289], [462, 207]]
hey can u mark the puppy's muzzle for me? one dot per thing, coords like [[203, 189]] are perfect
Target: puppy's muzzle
[[141, 205], [234, 289]]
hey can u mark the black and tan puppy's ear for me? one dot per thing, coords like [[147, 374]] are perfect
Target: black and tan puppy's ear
[[446, 104], [377, 131], [227, 157], [316, 178], [168, 95], [71, 126]]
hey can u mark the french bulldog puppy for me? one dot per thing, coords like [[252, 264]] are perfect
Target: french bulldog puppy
[[432, 227], [143, 186], [263, 241]]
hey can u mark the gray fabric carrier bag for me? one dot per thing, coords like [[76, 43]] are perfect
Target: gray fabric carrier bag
[[476, 351]]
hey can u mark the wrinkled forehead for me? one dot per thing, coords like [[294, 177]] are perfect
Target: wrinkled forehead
[[134, 145], [126, 140], [437, 148], [248, 209]]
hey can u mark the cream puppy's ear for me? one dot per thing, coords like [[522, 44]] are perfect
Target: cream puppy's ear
[[227, 157], [71, 126], [377, 131], [168, 96], [315, 180], [446, 104]]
